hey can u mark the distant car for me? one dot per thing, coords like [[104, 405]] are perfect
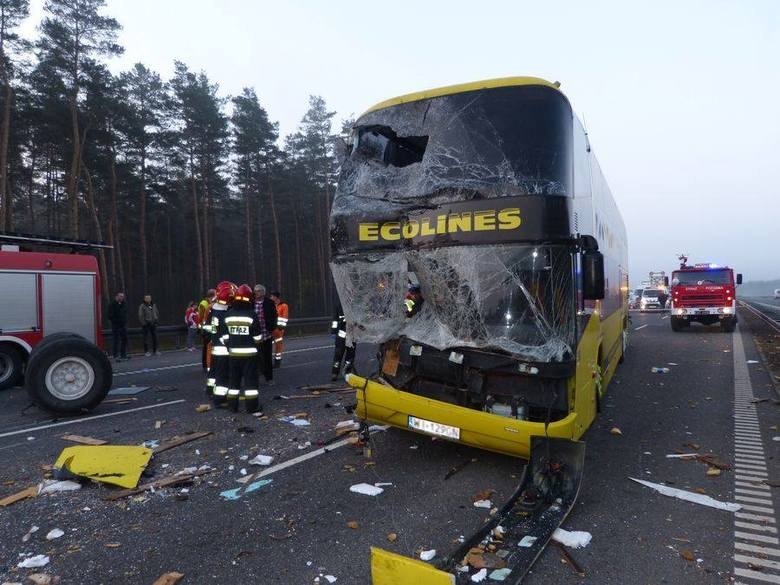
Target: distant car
[[634, 297], [652, 298], [777, 293]]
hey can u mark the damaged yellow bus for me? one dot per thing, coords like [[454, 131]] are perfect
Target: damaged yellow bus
[[487, 198]]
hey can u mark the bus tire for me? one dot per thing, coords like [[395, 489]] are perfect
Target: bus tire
[[11, 365], [68, 375]]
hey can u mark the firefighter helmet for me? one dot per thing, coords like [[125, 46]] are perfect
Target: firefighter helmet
[[244, 293], [226, 290]]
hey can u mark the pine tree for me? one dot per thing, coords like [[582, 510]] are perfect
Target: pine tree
[[73, 35]]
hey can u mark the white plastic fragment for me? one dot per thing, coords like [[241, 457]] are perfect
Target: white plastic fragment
[[479, 576], [383, 483], [752, 361], [242, 471], [689, 496], [483, 504], [427, 555], [298, 422], [572, 539], [527, 541], [30, 438], [34, 562], [500, 574], [33, 530], [54, 533], [330, 578], [345, 424], [680, 455], [50, 486], [366, 489], [261, 460]]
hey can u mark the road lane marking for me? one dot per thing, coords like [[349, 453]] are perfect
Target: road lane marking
[[88, 418], [750, 465], [190, 365], [641, 327]]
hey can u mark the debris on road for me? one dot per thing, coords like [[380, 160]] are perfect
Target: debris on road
[[169, 481], [479, 576], [753, 361], [615, 431], [29, 492], [500, 574], [657, 370], [84, 440], [126, 400], [51, 486], [33, 530], [170, 578], [689, 496], [483, 504], [236, 493], [299, 419], [127, 390], [427, 555], [180, 440], [366, 489], [572, 539], [261, 460], [55, 533], [42, 579], [34, 562], [120, 465], [353, 525], [392, 537], [569, 559], [459, 467], [203, 408]]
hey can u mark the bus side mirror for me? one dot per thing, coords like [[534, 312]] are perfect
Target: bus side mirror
[[592, 275], [666, 281], [739, 279]]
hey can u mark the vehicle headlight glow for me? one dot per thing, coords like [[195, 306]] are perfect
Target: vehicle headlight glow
[[681, 311], [727, 310]]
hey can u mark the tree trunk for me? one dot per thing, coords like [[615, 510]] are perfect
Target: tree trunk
[[31, 191], [277, 242], [6, 200], [142, 224], [98, 232], [119, 266], [250, 248], [196, 217], [73, 178], [298, 262]]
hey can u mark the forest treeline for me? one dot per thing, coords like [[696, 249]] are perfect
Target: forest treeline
[[189, 186]]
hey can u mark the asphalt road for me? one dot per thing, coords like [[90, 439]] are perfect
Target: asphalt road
[[297, 527]]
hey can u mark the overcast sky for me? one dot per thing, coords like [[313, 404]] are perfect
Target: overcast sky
[[681, 98]]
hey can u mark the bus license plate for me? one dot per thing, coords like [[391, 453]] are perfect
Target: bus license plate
[[434, 428]]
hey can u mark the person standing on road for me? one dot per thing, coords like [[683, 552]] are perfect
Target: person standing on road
[[205, 333], [191, 321], [218, 379], [117, 315], [345, 347], [266, 316], [148, 315], [240, 332], [283, 314]]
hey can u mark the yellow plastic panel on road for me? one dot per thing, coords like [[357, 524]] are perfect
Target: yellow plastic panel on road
[[120, 465], [388, 568]]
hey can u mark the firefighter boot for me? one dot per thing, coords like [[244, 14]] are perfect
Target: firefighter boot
[[347, 367], [232, 400], [252, 404], [334, 374]]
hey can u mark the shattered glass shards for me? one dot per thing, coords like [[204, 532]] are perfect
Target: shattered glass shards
[[509, 298]]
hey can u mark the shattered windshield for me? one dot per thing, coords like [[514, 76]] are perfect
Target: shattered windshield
[[517, 299], [508, 140]]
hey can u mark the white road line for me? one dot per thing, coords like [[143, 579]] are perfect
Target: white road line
[[757, 561], [163, 368], [756, 527], [750, 463], [756, 537], [88, 418], [753, 485], [641, 327], [754, 548]]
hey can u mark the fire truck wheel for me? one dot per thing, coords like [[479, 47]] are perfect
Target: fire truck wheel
[[728, 325], [54, 337], [11, 366], [68, 375]]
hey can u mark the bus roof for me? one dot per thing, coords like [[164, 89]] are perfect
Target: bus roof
[[461, 88]]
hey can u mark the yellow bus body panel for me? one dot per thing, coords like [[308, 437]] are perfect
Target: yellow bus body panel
[[388, 568]]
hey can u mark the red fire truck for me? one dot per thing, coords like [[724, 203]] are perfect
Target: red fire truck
[[704, 293], [50, 329]]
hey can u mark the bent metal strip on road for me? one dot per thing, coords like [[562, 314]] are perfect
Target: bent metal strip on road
[[88, 418]]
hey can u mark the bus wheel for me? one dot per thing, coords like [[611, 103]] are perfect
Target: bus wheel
[[11, 366], [68, 375]]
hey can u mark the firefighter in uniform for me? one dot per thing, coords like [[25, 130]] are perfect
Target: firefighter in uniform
[[204, 306], [219, 369], [283, 314], [345, 347], [241, 334]]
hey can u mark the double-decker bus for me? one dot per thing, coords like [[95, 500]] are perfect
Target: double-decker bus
[[488, 197], [475, 240]]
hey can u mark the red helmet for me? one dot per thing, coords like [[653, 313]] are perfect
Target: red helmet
[[244, 293]]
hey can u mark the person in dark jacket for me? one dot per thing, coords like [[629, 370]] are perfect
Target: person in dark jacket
[[148, 315], [117, 315], [267, 316]]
